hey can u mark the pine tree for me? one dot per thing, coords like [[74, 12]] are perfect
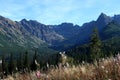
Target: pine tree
[[95, 46], [20, 62], [26, 61], [3, 64], [34, 65], [11, 66]]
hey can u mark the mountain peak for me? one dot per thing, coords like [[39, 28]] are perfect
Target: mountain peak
[[3, 18], [23, 20], [65, 23], [117, 18], [103, 18], [103, 14]]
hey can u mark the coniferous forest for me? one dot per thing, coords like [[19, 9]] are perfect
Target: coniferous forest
[[98, 58], [31, 50]]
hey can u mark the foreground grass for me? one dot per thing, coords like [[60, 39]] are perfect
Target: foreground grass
[[104, 69]]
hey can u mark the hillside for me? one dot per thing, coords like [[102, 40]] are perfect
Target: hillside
[[110, 37], [30, 34]]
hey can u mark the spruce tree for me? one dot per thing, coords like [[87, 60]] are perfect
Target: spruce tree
[[95, 46], [20, 62], [26, 61], [3, 63], [34, 65], [11, 65], [4, 66]]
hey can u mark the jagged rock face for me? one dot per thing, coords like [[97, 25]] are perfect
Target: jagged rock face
[[12, 32], [41, 31], [33, 33], [116, 18], [104, 18]]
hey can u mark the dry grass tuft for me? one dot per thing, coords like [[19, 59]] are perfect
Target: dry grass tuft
[[104, 69]]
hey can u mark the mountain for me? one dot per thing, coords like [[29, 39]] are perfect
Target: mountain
[[15, 37], [110, 36], [116, 18], [78, 35], [41, 31], [30, 34]]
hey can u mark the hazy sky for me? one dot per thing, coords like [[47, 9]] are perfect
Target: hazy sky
[[58, 11]]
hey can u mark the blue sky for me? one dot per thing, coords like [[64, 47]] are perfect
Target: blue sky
[[58, 11]]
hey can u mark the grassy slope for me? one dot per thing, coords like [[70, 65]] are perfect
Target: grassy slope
[[104, 69]]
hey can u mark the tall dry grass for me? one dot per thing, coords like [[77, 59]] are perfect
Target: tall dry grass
[[104, 69]]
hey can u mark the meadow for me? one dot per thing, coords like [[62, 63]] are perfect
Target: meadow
[[103, 69]]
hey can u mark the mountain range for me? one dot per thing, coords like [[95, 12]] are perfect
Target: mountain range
[[29, 34]]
